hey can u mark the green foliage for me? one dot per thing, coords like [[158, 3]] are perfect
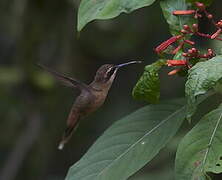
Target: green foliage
[[178, 55], [90, 10], [148, 86], [43, 80], [167, 173], [176, 22], [132, 142], [203, 77], [10, 76], [200, 151], [218, 87]]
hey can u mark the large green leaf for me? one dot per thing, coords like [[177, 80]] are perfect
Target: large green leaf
[[201, 78], [130, 143], [201, 149], [148, 86], [90, 10], [166, 174], [176, 22]]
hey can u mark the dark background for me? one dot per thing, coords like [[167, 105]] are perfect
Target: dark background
[[34, 107]]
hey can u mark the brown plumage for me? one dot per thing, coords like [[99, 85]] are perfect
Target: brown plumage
[[92, 96]]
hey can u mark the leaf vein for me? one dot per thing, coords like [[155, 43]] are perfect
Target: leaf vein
[[211, 140], [151, 131]]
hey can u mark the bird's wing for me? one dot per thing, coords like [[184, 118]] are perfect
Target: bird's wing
[[70, 82]]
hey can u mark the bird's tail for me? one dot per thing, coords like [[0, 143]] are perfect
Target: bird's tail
[[66, 136], [61, 145]]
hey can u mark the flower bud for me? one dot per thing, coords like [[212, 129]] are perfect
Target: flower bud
[[195, 27], [209, 16], [200, 6]]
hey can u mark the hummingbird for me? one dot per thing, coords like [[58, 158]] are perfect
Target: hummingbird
[[91, 96]]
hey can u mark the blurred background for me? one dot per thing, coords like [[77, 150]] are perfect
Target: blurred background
[[34, 106]]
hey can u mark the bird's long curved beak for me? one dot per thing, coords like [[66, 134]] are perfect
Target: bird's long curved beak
[[128, 63]]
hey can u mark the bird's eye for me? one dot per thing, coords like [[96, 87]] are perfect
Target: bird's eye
[[110, 73]]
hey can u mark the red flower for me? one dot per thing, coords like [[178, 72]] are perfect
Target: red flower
[[167, 43], [184, 12], [176, 62], [216, 34], [189, 42], [173, 72], [178, 48]]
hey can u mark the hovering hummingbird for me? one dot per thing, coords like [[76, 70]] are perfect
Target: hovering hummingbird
[[92, 96]]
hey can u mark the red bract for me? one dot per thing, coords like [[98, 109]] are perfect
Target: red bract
[[167, 43], [176, 62]]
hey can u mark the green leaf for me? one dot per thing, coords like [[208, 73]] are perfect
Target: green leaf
[[167, 173], [202, 77], [206, 2], [176, 22], [130, 143], [90, 10], [178, 55], [200, 151], [218, 87], [148, 86], [10, 76]]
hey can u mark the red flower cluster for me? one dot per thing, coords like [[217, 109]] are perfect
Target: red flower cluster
[[191, 53], [201, 8]]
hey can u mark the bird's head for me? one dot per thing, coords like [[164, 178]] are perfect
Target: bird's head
[[107, 72]]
